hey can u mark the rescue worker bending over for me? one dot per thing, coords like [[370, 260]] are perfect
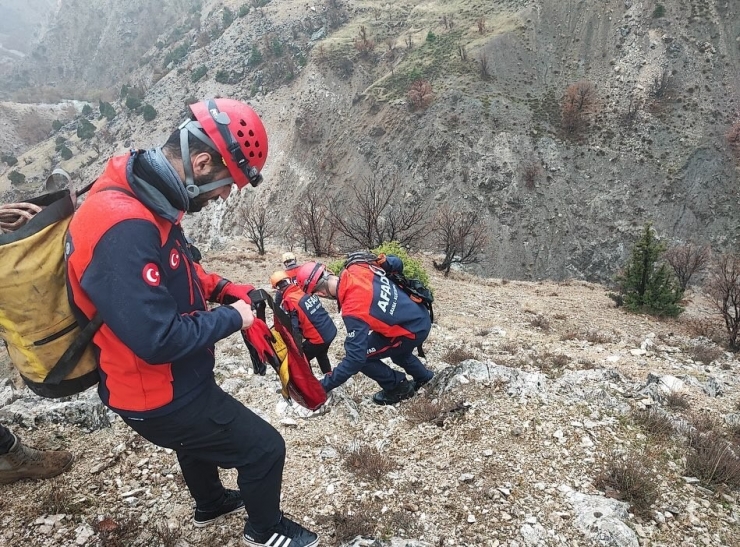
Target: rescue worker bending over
[[381, 321], [308, 317], [128, 262]]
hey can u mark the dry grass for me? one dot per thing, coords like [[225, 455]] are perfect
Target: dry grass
[[713, 460], [676, 401], [509, 347], [167, 537], [57, 498], [455, 356], [570, 335], [350, 524], [368, 462], [425, 410], [706, 353], [632, 481], [540, 321], [598, 337], [654, 422], [117, 533]]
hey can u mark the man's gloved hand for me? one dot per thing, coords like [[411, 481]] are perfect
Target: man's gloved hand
[[233, 292]]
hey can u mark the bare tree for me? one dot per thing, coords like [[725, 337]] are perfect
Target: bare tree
[[687, 260], [723, 287], [662, 84], [460, 235], [420, 94], [257, 223], [578, 101], [372, 216], [485, 71], [313, 219]]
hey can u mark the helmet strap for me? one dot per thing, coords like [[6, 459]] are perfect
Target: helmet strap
[[192, 127]]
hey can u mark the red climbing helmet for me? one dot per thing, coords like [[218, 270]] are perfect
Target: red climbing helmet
[[309, 276], [236, 131]]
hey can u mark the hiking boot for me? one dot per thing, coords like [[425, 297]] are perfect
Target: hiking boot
[[24, 462], [418, 384], [233, 503], [285, 533], [403, 390]]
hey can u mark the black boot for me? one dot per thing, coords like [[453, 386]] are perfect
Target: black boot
[[404, 390]]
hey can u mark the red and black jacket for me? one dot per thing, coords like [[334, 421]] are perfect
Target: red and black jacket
[[372, 303], [307, 315], [133, 268]]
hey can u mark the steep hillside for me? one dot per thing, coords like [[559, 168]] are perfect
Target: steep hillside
[[561, 200], [544, 391]]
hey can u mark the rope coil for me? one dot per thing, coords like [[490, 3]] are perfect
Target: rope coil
[[16, 215]]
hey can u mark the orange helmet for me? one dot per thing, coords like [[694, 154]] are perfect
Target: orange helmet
[[309, 275], [236, 132], [277, 277]]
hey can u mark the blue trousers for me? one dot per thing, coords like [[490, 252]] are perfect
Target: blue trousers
[[400, 352]]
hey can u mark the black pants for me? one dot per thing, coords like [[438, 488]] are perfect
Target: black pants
[[320, 352], [7, 440], [216, 430]]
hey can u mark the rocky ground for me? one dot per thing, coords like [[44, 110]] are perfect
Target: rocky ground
[[555, 419]]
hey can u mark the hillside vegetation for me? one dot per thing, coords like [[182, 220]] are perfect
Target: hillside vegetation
[[565, 125]]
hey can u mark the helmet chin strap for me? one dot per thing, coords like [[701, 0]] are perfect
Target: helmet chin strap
[[192, 127]]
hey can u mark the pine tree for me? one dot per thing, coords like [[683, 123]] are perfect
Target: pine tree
[[647, 285]]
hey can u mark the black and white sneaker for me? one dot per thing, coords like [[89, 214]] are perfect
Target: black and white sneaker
[[233, 503], [285, 533]]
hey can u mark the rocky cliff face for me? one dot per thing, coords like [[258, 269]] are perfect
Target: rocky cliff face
[[651, 145]]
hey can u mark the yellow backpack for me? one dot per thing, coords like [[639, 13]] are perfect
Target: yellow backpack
[[38, 328]]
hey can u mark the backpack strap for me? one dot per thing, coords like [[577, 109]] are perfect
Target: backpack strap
[[69, 359]]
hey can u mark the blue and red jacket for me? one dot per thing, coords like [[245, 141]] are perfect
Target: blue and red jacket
[[128, 261], [370, 302], [307, 315]]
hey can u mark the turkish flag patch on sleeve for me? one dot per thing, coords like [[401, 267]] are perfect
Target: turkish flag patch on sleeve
[[151, 274]]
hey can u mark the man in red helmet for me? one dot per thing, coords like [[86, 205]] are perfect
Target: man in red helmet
[[381, 321], [129, 264], [308, 317]]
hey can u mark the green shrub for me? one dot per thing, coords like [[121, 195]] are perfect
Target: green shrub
[[412, 268], [222, 76], [277, 48], [431, 37], [198, 73], [107, 111], [10, 159], [255, 56], [148, 112], [56, 125], [647, 285], [65, 152], [176, 55], [228, 17], [85, 130], [59, 142], [16, 177], [132, 103], [243, 10], [86, 110], [659, 11]]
